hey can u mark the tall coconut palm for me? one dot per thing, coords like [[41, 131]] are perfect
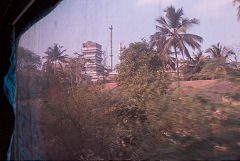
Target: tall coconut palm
[[235, 2], [172, 36], [218, 51], [55, 55], [166, 61]]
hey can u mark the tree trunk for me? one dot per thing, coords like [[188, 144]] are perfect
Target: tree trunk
[[178, 76]]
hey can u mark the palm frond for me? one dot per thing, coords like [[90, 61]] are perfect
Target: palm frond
[[163, 30], [218, 51], [167, 45], [174, 16], [186, 24], [163, 22], [183, 49], [192, 40]]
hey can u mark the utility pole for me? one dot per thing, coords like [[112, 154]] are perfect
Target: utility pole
[[111, 55]]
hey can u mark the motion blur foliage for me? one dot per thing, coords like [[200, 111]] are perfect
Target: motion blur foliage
[[140, 72], [28, 73], [29, 91], [100, 123], [167, 122], [192, 125], [215, 68], [221, 62], [141, 80], [77, 122], [205, 69], [192, 68]]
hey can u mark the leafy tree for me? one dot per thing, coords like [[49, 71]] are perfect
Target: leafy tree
[[28, 73], [73, 73], [140, 80], [172, 34], [79, 123], [214, 69], [27, 59], [191, 68], [139, 72]]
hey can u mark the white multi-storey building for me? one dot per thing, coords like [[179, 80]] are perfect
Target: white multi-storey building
[[93, 53]]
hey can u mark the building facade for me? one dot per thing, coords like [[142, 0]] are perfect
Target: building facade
[[92, 52]]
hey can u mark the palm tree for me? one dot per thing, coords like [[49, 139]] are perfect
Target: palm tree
[[172, 35], [238, 7], [166, 61], [220, 55], [218, 51], [55, 55]]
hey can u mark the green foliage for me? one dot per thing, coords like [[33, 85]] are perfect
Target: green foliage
[[191, 68], [73, 73], [77, 114], [141, 79], [26, 59], [115, 122], [140, 73], [28, 74], [214, 68], [156, 121], [206, 69], [218, 51], [80, 121], [184, 124]]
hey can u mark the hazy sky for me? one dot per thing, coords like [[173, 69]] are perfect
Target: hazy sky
[[73, 22]]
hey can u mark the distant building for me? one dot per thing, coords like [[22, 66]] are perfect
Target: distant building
[[93, 53]]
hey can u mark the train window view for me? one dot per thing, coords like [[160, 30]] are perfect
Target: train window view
[[130, 80]]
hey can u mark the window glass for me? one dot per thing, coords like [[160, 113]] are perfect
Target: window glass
[[130, 80]]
